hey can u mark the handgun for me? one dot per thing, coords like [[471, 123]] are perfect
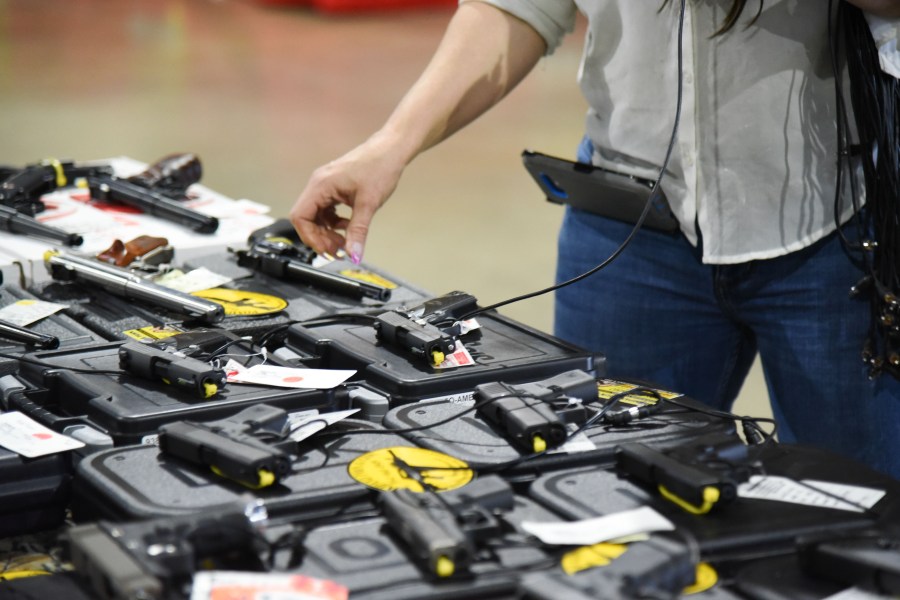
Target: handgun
[[442, 532], [12, 332], [22, 190], [416, 329], [526, 413], [156, 364], [114, 189], [249, 448], [171, 175], [156, 559], [868, 559], [15, 222], [121, 282], [698, 476], [277, 251]]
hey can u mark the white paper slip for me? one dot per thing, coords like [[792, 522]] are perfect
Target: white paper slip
[[580, 442], [192, 281], [307, 423], [810, 493], [22, 435], [312, 379], [220, 585], [601, 529], [26, 312], [460, 357], [857, 594]]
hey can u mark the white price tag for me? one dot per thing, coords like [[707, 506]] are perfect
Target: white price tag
[[209, 585], [192, 281], [313, 379], [26, 312], [580, 442], [857, 594], [601, 529], [26, 437], [810, 493], [459, 358], [307, 423]]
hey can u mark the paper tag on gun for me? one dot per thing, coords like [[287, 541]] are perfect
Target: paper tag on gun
[[193, 281], [222, 585], [459, 358], [26, 312], [313, 379], [308, 422], [29, 438]]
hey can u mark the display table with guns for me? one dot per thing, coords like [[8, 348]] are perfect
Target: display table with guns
[[228, 415]]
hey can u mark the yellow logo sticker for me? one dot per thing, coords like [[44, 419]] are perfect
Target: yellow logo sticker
[[243, 303], [607, 388], [152, 332], [402, 467]]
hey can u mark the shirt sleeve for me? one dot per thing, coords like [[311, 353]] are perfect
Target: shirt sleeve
[[885, 32], [552, 19]]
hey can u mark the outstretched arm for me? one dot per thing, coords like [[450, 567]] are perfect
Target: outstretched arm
[[485, 52]]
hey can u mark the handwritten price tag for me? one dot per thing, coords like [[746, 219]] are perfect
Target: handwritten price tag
[[27, 437]]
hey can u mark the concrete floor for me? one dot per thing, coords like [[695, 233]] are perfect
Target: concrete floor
[[265, 93]]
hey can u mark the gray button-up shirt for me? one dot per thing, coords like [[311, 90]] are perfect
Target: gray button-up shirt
[[755, 162]]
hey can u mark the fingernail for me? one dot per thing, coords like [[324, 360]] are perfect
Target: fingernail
[[356, 251]]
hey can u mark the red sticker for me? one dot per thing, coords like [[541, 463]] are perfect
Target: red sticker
[[42, 436], [293, 379]]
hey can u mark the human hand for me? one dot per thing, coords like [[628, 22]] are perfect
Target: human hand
[[362, 179]]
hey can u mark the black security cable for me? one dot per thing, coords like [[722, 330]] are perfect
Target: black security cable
[[654, 191], [875, 98], [41, 363]]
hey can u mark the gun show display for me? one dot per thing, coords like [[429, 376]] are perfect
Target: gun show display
[[88, 204], [231, 415]]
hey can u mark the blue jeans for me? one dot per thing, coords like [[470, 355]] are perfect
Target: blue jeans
[[659, 314]]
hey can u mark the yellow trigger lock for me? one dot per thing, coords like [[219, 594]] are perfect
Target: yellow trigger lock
[[58, 169], [710, 497], [539, 443], [265, 478], [444, 567]]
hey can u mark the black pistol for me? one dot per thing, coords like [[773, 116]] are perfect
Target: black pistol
[[442, 533], [427, 330], [122, 191], [277, 251], [526, 412], [149, 362], [171, 175], [156, 559], [248, 448], [698, 476], [23, 188], [20, 198], [14, 333]]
